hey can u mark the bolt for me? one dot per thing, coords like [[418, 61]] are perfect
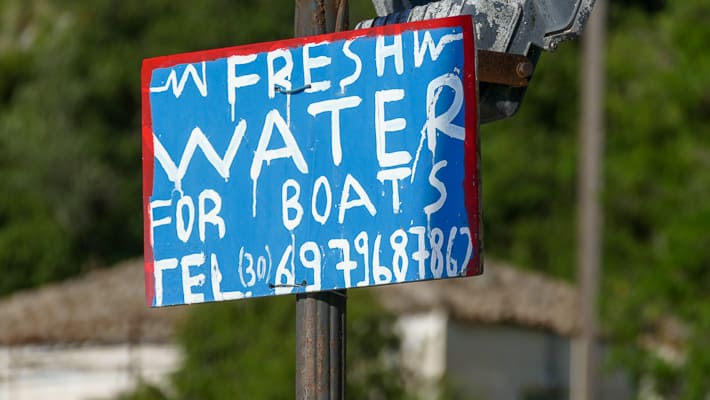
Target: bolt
[[524, 69]]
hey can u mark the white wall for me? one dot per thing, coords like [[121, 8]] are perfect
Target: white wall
[[423, 351], [85, 372], [499, 362]]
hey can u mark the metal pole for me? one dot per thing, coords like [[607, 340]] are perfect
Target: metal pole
[[584, 362], [320, 317], [320, 345]]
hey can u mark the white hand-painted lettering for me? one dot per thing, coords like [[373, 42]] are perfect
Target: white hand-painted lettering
[[362, 247], [362, 200], [242, 268], [283, 75], [349, 80], [234, 81], [465, 230], [347, 265], [321, 182], [216, 280], [310, 63], [197, 139], [285, 278], [178, 87], [248, 268], [253, 269], [421, 255], [451, 264], [211, 216], [334, 107], [185, 215], [443, 122], [394, 175], [428, 44], [289, 203], [436, 241], [158, 268], [183, 230], [380, 273], [383, 51], [191, 281], [400, 260], [382, 126], [439, 186], [264, 154], [313, 262], [160, 222]]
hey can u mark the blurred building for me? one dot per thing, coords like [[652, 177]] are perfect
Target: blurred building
[[86, 338], [503, 335]]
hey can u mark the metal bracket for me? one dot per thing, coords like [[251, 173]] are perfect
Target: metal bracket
[[514, 27], [511, 70], [503, 25]]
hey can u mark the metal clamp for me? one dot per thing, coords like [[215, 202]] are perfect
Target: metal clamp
[[510, 35]]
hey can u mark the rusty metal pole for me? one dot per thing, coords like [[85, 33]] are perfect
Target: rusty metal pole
[[320, 317]]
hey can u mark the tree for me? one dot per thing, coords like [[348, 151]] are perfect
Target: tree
[[656, 181], [70, 120], [70, 162], [659, 188], [247, 349]]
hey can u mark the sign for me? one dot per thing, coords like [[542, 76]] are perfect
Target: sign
[[327, 162]]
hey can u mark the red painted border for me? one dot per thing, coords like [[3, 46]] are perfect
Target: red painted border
[[213, 54], [471, 144], [148, 160], [472, 155]]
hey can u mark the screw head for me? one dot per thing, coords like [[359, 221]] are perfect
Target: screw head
[[525, 69]]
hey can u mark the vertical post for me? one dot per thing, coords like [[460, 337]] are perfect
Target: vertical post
[[320, 317], [584, 362]]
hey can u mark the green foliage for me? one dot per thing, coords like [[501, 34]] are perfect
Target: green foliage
[[143, 392], [246, 349], [70, 174], [372, 368], [658, 201], [656, 183], [70, 120], [529, 171]]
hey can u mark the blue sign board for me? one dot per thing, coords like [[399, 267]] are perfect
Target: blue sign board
[[318, 163]]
